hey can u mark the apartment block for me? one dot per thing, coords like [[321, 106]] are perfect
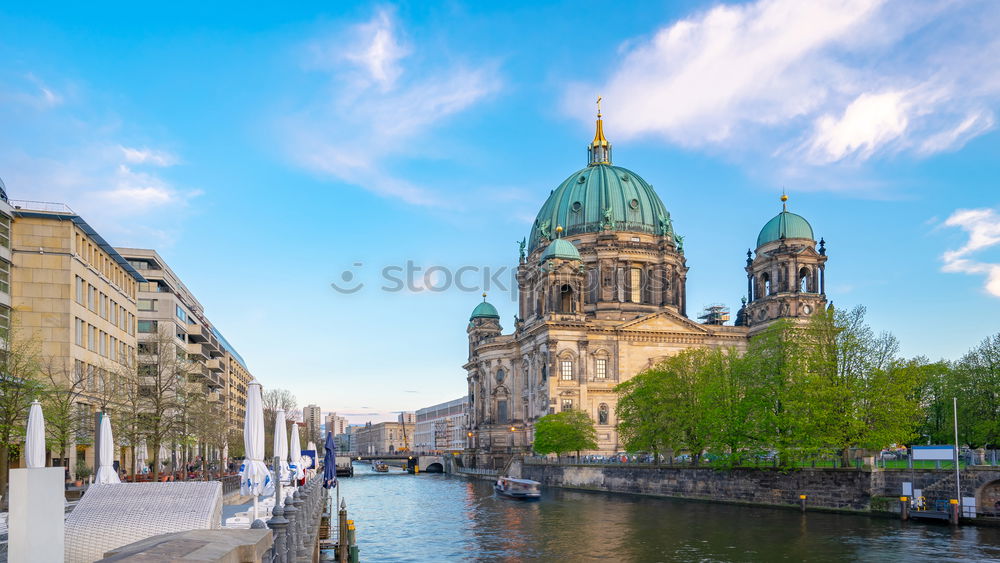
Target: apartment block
[[336, 424], [75, 295]]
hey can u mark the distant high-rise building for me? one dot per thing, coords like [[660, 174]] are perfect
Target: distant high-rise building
[[336, 424], [442, 427], [312, 418], [407, 418]]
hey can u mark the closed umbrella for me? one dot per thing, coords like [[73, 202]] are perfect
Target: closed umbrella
[[34, 441], [329, 463], [281, 445], [295, 455], [255, 479], [106, 474], [141, 457]]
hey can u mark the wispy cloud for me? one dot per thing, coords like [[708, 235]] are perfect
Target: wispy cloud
[[983, 228], [861, 78], [71, 150], [382, 100], [146, 155]]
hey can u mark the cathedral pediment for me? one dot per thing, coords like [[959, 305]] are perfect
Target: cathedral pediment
[[664, 321]]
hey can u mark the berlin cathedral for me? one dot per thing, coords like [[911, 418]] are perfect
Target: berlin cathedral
[[602, 297]]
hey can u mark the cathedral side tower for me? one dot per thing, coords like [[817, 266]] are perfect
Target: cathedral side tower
[[786, 275]]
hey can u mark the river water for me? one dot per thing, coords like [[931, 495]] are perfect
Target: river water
[[427, 517]]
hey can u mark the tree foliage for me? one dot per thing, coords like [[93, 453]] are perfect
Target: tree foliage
[[567, 431], [826, 386]]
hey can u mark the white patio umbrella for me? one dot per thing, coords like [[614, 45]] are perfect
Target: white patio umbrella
[[106, 474], [141, 457], [281, 445], [295, 455], [34, 440], [255, 479]]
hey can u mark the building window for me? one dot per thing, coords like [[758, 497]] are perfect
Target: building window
[[104, 306], [567, 405], [502, 412], [181, 314], [79, 290], [102, 338], [91, 297], [635, 287], [601, 368], [114, 313], [79, 332], [92, 337], [4, 321], [4, 231], [566, 370], [147, 327], [603, 414], [147, 305]]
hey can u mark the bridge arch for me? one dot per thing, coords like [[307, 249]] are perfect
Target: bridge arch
[[988, 500], [435, 467]]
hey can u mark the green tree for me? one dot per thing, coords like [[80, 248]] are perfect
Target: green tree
[[567, 431], [63, 388], [666, 407], [19, 385]]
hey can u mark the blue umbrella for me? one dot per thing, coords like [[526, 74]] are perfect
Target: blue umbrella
[[329, 463]]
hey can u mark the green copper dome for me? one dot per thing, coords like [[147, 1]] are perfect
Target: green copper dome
[[561, 248], [599, 197], [484, 311], [784, 225]]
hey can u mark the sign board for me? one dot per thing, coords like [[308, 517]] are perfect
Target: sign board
[[934, 453], [907, 489], [969, 507]]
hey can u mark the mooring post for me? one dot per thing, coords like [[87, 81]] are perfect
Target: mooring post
[[904, 508], [802, 502], [953, 512]]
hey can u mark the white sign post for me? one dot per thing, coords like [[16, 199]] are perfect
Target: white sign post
[[37, 511]]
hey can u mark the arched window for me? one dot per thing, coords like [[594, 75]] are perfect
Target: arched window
[[566, 296], [635, 285], [602, 414], [804, 280], [765, 283]]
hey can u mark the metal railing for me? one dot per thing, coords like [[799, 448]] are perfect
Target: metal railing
[[295, 522]]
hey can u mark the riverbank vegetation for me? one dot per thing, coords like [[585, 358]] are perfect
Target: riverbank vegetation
[[806, 392], [567, 431]]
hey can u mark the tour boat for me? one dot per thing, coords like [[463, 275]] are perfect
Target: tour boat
[[380, 466], [521, 489]]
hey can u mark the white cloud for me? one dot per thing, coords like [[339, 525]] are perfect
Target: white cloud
[[378, 50], [384, 101], [862, 77], [148, 156], [983, 228], [73, 153]]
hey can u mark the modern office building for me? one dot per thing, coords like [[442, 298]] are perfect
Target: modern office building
[[237, 379], [75, 295], [6, 218], [169, 314], [381, 438], [442, 427]]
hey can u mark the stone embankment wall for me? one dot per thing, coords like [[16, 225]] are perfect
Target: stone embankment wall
[[843, 489], [837, 489]]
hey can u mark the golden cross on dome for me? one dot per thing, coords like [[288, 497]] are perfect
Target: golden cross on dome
[[598, 106]]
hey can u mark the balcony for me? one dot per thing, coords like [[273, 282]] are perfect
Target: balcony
[[215, 364]]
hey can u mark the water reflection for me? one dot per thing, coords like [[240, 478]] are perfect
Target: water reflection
[[402, 517]]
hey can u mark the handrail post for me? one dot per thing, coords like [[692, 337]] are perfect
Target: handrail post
[[300, 549], [279, 524], [292, 513]]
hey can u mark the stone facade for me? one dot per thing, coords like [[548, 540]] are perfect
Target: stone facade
[[76, 296], [381, 438]]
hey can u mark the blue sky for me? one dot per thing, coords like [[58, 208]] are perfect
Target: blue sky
[[265, 151]]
